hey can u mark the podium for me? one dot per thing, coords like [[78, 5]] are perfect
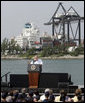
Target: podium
[[34, 71]]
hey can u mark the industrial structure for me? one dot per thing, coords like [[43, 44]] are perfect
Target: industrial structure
[[62, 24], [66, 29]]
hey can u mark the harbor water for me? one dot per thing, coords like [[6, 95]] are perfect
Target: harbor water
[[75, 67]]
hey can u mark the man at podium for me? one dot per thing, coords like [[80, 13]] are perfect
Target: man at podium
[[36, 60], [34, 69]]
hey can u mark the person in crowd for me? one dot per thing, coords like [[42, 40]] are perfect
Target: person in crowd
[[52, 98], [80, 98], [23, 91], [9, 99], [35, 98], [46, 97], [36, 94], [28, 99], [77, 96], [3, 97], [62, 97], [10, 93], [19, 98], [30, 96], [42, 97], [15, 95]]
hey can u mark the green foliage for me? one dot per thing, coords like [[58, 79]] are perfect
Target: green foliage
[[18, 48], [10, 46], [79, 50], [60, 54], [46, 52], [74, 53], [31, 51], [58, 50], [4, 45]]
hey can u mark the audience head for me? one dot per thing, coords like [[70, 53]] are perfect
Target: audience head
[[36, 92], [63, 95], [4, 95], [78, 92], [46, 94], [47, 90], [9, 99], [30, 93], [35, 98], [23, 90]]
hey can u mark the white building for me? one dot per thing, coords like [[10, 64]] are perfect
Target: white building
[[29, 36], [21, 41]]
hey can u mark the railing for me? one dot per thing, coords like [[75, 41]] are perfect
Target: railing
[[5, 75]]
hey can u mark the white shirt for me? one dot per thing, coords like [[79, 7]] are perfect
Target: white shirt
[[39, 61], [42, 97]]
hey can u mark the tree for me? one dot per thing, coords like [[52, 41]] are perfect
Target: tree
[[12, 46], [31, 51], [18, 49], [4, 45], [47, 51]]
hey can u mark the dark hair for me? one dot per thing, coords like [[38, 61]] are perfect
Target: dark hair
[[36, 92], [62, 98], [47, 94], [28, 99], [20, 96], [63, 92], [52, 98], [4, 95], [30, 93], [79, 97]]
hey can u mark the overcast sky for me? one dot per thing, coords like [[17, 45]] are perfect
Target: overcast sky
[[14, 14]]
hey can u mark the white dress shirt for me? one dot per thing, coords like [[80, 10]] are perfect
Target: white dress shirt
[[39, 61]]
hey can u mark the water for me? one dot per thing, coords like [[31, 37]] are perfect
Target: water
[[73, 67]]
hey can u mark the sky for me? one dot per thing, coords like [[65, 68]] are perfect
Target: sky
[[14, 14]]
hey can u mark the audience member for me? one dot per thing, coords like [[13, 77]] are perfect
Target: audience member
[[46, 97], [77, 94], [62, 97]]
